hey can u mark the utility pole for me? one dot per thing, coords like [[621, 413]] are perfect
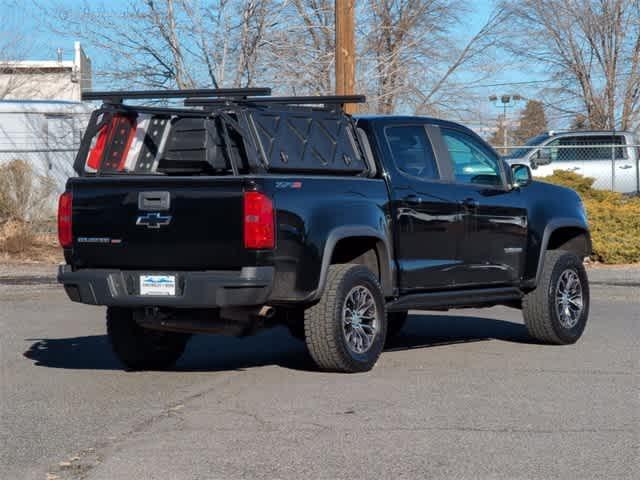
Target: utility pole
[[345, 50]]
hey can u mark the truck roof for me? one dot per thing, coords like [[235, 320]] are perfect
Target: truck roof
[[407, 118]]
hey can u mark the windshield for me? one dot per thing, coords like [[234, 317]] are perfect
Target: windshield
[[532, 142]]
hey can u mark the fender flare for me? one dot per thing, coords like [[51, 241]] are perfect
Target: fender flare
[[551, 227], [383, 251]]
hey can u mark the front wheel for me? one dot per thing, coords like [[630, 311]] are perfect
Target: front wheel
[[556, 311], [140, 348], [345, 331]]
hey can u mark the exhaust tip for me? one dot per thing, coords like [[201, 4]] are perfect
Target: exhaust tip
[[267, 312]]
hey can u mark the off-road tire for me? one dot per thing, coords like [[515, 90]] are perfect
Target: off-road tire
[[323, 323], [539, 307], [140, 348], [395, 323]]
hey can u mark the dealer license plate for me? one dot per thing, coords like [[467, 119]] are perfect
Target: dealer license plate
[[158, 285]]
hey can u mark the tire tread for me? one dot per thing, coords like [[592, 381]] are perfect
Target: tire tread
[[537, 306], [320, 336]]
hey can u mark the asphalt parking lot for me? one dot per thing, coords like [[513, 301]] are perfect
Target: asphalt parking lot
[[464, 394]]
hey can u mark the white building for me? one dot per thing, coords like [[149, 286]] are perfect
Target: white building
[[46, 79], [46, 134], [41, 116]]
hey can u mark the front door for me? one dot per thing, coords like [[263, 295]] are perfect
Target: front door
[[492, 249], [427, 216]]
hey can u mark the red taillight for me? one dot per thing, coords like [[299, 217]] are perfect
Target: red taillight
[[65, 234], [259, 229], [118, 134]]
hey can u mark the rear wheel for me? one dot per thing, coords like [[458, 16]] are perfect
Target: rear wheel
[[556, 311], [345, 331], [140, 348]]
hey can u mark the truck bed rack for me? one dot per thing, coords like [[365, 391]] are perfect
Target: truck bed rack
[[119, 96], [300, 100], [228, 131], [215, 97]]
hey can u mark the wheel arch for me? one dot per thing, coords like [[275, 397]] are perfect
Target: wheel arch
[[357, 244], [568, 234]]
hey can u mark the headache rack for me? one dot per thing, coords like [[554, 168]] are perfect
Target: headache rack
[[222, 132]]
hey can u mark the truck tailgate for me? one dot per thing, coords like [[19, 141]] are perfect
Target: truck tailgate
[[177, 223]]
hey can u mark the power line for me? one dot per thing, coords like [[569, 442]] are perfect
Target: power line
[[507, 84], [533, 82]]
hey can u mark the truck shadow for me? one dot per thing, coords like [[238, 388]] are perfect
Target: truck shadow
[[272, 347]]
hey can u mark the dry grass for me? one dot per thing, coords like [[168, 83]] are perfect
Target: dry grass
[[26, 213], [25, 195], [19, 243]]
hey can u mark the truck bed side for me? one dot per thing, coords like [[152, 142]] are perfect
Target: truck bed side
[[201, 227]]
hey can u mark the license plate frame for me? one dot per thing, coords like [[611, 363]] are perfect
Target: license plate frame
[[155, 285]]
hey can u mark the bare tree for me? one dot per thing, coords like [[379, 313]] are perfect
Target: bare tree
[[254, 22], [591, 48], [13, 48], [170, 43], [301, 49], [411, 55], [407, 53]]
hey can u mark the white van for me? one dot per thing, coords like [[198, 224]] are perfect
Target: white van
[[609, 157]]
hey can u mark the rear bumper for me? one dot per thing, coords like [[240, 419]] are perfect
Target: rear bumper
[[208, 289]]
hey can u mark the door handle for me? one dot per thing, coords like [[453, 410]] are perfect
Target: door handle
[[573, 169], [470, 203], [413, 199], [150, 201], [625, 167]]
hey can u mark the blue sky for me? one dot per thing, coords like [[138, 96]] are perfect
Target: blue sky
[[22, 16], [39, 43]]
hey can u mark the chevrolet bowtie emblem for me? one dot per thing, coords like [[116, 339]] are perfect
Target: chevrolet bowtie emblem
[[153, 220]]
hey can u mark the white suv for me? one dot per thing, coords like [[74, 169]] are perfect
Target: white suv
[[590, 153]]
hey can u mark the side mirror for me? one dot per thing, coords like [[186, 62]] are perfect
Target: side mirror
[[541, 157], [521, 175]]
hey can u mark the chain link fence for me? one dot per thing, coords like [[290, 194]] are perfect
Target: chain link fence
[[614, 166], [55, 164]]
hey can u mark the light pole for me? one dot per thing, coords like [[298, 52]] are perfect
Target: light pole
[[506, 101]]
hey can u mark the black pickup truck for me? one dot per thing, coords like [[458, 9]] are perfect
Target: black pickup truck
[[238, 210]]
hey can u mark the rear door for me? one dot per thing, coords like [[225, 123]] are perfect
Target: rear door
[[427, 216], [158, 223], [492, 248], [608, 161]]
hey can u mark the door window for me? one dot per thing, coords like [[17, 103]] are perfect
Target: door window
[[411, 151], [472, 161], [556, 154], [585, 148]]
